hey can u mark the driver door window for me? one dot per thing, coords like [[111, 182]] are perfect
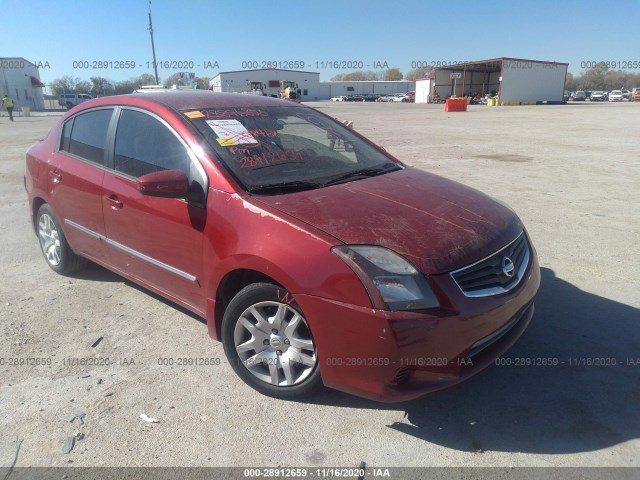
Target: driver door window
[[145, 145]]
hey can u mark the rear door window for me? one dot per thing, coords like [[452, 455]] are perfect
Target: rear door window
[[88, 135]]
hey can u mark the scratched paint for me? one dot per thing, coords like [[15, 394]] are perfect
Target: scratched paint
[[284, 296]]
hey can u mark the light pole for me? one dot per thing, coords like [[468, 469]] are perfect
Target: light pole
[[153, 48]]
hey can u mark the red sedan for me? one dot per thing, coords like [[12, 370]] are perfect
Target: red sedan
[[314, 256]]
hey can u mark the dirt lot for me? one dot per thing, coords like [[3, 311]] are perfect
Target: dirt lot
[[571, 172]]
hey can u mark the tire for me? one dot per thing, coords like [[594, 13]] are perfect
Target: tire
[[53, 243], [261, 313]]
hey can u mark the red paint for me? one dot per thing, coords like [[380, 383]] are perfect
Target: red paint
[[229, 114], [269, 158], [264, 132], [395, 211]]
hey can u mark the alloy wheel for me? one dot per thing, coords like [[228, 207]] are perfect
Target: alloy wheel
[[49, 239], [274, 343]]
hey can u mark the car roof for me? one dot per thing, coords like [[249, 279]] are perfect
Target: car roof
[[191, 100], [185, 100]]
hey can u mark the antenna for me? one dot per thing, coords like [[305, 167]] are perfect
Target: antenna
[[153, 48]]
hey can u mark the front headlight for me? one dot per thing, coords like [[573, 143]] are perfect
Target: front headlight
[[391, 281]]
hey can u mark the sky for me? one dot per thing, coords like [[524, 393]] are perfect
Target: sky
[[90, 38]]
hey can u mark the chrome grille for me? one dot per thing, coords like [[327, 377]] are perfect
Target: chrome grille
[[496, 274]]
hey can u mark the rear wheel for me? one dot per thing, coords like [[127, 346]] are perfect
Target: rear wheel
[[269, 344], [53, 243]]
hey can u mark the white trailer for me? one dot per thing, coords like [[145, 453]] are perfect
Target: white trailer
[[424, 90]]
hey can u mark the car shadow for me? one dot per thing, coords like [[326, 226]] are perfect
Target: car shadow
[[97, 273], [580, 405]]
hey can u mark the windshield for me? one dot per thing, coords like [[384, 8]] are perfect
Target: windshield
[[281, 149]]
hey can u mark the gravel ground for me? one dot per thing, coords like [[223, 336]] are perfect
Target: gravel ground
[[571, 172]]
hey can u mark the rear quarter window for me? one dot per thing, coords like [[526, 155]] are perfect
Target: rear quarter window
[[66, 135]]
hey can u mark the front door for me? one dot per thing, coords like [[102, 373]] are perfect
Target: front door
[[156, 240]]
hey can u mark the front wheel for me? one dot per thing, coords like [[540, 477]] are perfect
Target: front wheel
[[269, 344], [53, 243]]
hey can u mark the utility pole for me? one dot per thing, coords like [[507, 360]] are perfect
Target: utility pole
[[153, 48]]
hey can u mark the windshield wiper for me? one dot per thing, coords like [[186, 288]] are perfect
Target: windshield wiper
[[295, 186], [364, 173]]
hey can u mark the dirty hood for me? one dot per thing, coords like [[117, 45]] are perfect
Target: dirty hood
[[437, 224]]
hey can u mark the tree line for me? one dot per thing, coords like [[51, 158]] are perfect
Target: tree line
[[101, 86], [391, 74]]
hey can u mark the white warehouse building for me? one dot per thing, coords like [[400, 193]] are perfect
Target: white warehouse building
[[20, 80], [238, 81], [312, 89]]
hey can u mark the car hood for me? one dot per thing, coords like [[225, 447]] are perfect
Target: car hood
[[437, 224]]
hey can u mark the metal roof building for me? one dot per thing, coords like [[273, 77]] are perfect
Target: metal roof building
[[514, 80]]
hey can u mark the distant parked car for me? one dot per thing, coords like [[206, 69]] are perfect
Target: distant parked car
[[616, 96], [339, 99], [635, 95], [385, 98], [398, 97], [598, 96], [626, 94], [70, 100], [355, 98], [409, 97], [579, 96]]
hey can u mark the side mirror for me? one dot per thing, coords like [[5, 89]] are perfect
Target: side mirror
[[165, 183]]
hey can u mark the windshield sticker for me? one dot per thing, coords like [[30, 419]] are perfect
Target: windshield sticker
[[231, 132], [222, 114], [194, 114]]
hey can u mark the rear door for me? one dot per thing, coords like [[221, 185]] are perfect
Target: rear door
[[76, 170], [156, 240]]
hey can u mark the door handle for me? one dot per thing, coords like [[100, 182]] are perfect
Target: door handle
[[115, 203], [56, 176]]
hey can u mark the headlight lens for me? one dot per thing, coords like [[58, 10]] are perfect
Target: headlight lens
[[391, 281]]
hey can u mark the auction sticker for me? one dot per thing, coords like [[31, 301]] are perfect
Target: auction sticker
[[231, 132]]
